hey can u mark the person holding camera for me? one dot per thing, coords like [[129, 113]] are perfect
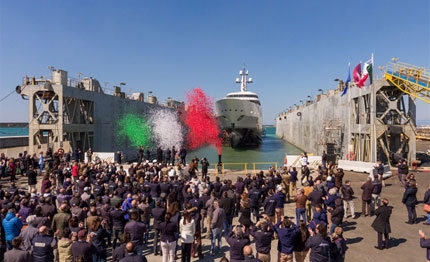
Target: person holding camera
[[263, 234], [287, 232], [237, 239]]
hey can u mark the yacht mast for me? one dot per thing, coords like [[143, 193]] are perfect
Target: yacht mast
[[243, 79]]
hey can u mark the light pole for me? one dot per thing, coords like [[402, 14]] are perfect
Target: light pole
[[322, 91]]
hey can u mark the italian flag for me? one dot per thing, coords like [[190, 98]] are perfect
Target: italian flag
[[367, 75]]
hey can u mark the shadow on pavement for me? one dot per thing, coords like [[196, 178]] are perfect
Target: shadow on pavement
[[394, 242], [348, 225], [355, 240]]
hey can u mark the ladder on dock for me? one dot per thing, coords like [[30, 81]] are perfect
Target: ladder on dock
[[411, 79]]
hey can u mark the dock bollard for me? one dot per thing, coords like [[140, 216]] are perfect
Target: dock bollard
[[219, 166]]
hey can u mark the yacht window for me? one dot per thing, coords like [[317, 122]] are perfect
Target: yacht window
[[255, 96]]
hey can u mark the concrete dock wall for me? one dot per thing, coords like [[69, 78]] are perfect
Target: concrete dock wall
[[371, 123], [303, 126]]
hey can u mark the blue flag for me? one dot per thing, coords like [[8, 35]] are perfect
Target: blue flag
[[348, 79]]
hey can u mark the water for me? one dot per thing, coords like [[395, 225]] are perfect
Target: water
[[13, 131], [273, 149]]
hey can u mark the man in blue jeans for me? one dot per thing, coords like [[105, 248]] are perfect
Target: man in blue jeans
[[300, 200], [217, 222]]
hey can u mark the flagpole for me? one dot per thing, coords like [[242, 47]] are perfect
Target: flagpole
[[373, 141], [359, 120], [349, 113]]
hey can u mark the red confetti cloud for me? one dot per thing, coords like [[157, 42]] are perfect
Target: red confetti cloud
[[200, 118]]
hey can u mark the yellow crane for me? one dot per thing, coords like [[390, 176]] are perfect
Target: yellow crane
[[413, 80]]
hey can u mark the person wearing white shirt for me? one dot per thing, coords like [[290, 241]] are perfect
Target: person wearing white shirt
[[187, 229], [304, 159]]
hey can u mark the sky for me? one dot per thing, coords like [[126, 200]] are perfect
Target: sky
[[291, 48]]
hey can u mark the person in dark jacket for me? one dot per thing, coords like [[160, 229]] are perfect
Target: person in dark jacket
[[425, 243], [245, 214], [237, 241], [32, 178], [16, 254], [168, 238], [280, 201], [119, 252], [263, 235], [98, 234], [287, 234], [366, 197], [249, 257], [300, 249], [118, 222], [316, 198], [337, 215], [381, 224], [132, 256], [137, 231], [43, 246], [183, 155], [269, 206], [320, 244], [426, 201], [227, 204], [254, 195], [82, 247], [339, 250], [320, 217], [376, 192], [158, 213], [410, 200], [348, 198]]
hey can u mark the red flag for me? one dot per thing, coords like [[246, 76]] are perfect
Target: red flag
[[285, 159], [357, 73]]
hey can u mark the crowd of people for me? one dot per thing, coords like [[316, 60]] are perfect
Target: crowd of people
[[161, 205]]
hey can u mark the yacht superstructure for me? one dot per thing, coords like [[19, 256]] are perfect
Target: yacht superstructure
[[239, 115]]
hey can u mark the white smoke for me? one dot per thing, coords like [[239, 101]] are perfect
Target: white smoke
[[166, 128]]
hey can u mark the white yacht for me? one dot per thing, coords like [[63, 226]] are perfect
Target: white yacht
[[239, 115]]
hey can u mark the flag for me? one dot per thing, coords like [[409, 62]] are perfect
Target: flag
[[367, 76], [348, 79], [357, 73]]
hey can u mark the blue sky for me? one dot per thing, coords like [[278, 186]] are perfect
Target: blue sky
[[291, 48]]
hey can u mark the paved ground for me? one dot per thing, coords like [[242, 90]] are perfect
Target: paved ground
[[361, 239]]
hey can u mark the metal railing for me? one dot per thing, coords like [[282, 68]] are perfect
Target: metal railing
[[254, 164], [412, 80], [223, 165]]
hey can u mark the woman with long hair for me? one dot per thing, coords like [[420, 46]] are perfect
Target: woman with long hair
[[245, 214], [187, 229], [410, 200], [168, 238], [173, 210], [300, 249]]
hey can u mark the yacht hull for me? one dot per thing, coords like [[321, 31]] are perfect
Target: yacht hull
[[240, 120]]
